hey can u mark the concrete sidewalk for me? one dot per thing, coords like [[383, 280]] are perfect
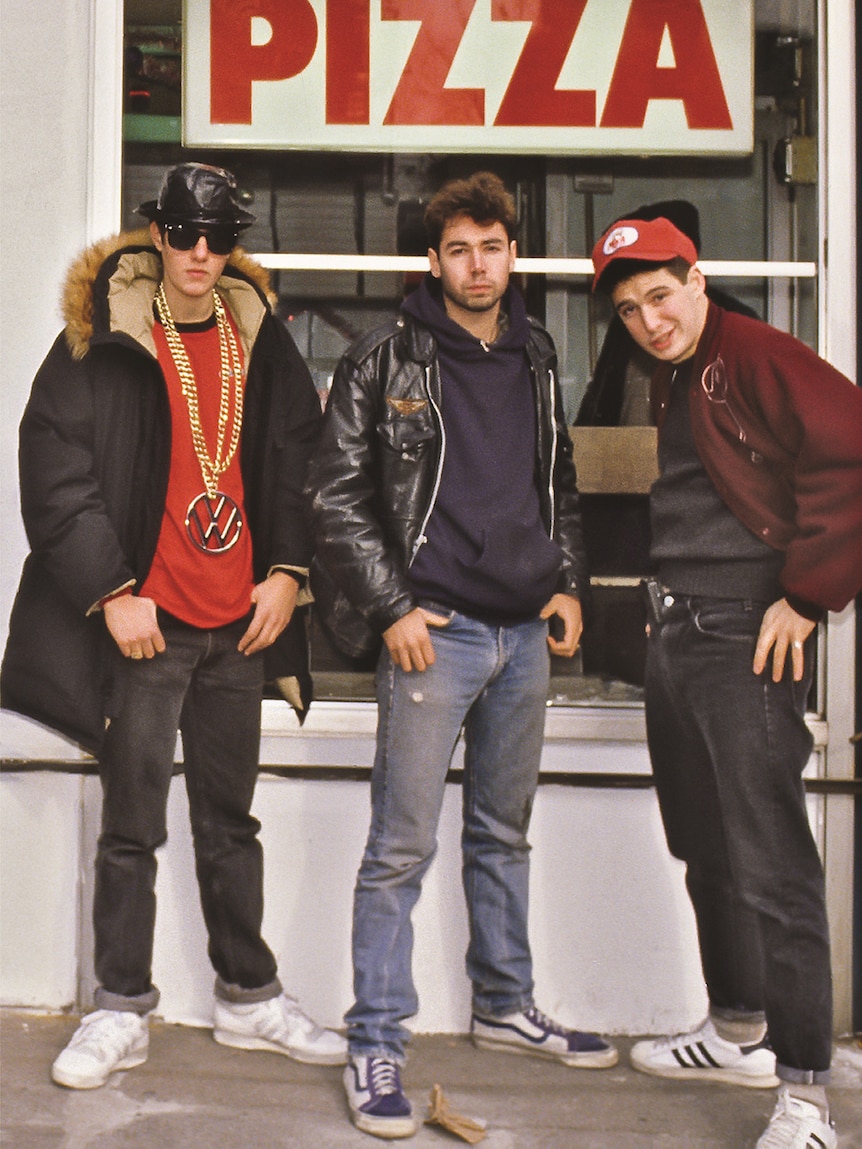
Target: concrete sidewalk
[[195, 1094]]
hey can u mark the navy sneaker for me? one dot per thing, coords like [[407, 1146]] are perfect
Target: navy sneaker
[[531, 1032], [377, 1102]]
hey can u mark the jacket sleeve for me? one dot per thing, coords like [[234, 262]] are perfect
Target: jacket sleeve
[[64, 512], [568, 530], [349, 534], [288, 426], [805, 424], [565, 498], [823, 416]]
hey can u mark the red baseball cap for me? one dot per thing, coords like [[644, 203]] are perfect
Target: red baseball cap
[[650, 240]]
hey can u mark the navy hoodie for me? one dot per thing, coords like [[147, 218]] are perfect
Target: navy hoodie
[[487, 552]]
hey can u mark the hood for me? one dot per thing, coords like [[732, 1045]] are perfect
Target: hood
[[129, 261], [426, 304]]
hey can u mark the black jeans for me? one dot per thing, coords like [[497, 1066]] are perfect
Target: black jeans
[[728, 749], [202, 685]]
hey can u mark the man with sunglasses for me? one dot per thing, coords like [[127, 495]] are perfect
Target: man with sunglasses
[[163, 453], [756, 533]]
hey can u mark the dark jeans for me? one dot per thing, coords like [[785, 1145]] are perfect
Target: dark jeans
[[728, 749], [202, 685]]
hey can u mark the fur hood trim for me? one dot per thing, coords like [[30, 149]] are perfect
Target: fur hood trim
[[77, 298]]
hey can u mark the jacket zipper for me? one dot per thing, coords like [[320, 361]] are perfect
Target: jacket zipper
[[552, 502], [421, 538]]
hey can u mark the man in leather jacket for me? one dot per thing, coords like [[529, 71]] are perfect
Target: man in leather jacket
[[446, 523]]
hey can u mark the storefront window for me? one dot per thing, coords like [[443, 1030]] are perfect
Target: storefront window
[[758, 207]]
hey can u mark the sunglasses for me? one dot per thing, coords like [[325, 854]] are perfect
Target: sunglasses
[[184, 236]]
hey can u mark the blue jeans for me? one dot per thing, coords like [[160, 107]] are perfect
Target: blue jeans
[[728, 749], [493, 682], [203, 686]]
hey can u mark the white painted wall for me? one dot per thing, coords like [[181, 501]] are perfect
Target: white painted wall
[[44, 89], [613, 936], [611, 926]]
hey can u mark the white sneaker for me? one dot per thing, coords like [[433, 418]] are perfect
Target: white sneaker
[[530, 1031], [104, 1042], [702, 1055], [280, 1026], [378, 1104], [797, 1124]]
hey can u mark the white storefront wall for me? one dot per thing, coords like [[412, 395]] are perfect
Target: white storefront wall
[[612, 930]]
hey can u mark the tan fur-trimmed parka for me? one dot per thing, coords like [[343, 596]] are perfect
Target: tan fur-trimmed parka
[[94, 459]]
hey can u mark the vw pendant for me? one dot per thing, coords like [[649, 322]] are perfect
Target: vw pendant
[[214, 525]]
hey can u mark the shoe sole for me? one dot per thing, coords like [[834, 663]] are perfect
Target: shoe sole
[[709, 1075], [239, 1041], [389, 1128], [76, 1081], [592, 1059]]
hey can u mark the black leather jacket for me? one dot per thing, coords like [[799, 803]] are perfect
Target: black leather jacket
[[374, 479]]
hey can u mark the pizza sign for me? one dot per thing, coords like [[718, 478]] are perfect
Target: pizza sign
[[554, 76]]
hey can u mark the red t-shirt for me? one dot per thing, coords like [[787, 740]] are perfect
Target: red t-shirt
[[203, 588]]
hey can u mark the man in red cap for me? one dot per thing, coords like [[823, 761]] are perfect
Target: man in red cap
[[756, 522]]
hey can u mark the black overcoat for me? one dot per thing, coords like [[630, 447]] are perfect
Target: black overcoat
[[94, 460]]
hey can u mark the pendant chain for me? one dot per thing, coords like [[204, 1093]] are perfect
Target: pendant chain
[[212, 467]]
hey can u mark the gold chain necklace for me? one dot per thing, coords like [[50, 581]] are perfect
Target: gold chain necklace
[[212, 467]]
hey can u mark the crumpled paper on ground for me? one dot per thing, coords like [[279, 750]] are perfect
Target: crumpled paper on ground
[[464, 1127]]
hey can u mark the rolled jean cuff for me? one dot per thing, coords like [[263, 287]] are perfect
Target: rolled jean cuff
[[238, 994], [802, 1076], [518, 1004], [752, 1016], [119, 1003], [387, 1052]]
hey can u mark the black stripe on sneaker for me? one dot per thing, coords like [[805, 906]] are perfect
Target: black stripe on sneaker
[[816, 1142], [694, 1061], [705, 1052]]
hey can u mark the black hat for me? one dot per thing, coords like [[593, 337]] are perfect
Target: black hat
[[197, 193], [682, 214]]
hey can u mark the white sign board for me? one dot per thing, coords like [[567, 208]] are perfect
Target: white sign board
[[644, 77]]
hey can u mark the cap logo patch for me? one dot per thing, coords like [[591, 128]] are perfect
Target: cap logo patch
[[620, 237]]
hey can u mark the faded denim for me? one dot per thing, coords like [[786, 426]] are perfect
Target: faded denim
[[493, 681]]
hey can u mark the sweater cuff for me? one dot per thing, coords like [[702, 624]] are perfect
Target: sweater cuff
[[120, 592], [807, 609], [300, 574]]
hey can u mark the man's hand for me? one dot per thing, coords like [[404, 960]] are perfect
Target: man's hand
[[782, 629], [274, 602], [568, 609], [408, 640], [132, 624]]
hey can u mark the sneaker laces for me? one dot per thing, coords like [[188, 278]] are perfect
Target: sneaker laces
[[687, 1037], [383, 1077], [535, 1015], [781, 1131], [102, 1032], [295, 1018]]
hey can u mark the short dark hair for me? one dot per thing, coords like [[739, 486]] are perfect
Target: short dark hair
[[482, 197], [621, 269]]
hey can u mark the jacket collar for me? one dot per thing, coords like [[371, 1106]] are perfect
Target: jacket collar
[[110, 287]]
